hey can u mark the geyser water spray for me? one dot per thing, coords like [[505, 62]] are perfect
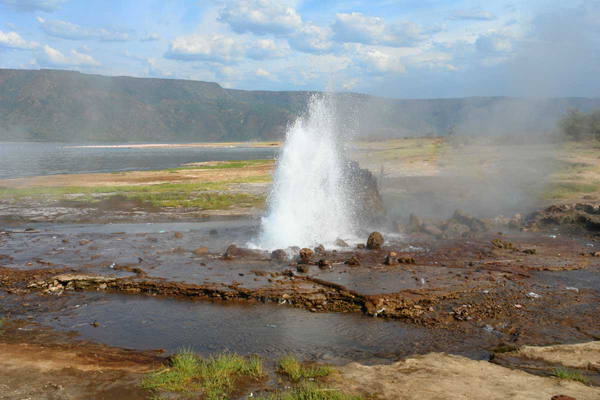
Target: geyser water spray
[[309, 203]]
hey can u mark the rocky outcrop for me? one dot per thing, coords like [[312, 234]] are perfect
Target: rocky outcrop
[[366, 202], [571, 217]]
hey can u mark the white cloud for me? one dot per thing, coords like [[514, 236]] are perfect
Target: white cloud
[[263, 49], [494, 42], [67, 30], [473, 15], [51, 56], [153, 37], [202, 48], [359, 28], [33, 5], [260, 17], [378, 62], [310, 38], [13, 40], [261, 73]]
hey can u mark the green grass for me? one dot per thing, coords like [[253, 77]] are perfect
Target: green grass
[[199, 195], [563, 190], [214, 377], [311, 391], [569, 374], [289, 366], [226, 165]]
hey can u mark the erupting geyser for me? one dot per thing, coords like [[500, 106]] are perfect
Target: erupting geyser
[[310, 202]]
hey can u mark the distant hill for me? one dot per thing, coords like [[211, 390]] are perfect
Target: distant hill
[[67, 106]]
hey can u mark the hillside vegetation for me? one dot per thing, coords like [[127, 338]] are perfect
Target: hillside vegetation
[[67, 106]]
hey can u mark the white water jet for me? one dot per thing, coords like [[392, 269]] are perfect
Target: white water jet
[[309, 204]]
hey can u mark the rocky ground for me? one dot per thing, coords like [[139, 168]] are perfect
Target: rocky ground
[[484, 288]]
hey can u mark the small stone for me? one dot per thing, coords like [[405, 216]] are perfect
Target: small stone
[[200, 251], [391, 259], [95, 324], [213, 232], [360, 246], [178, 235], [65, 240], [83, 242], [319, 249], [354, 262], [375, 241], [563, 397], [303, 268], [324, 264]]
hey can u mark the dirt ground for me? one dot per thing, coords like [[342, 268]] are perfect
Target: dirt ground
[[442, 376]]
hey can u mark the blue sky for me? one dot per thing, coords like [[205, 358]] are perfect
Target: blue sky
[[403, 49]]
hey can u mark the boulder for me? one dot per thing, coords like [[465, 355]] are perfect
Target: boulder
[[305, 255], [375, 241]]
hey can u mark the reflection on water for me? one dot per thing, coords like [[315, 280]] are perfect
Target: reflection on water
[[270, 330], [30, 159]]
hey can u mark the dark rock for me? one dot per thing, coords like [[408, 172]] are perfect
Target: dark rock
[[178, 235], [65, 240], [319, 249], [367, 205], [406, 260], [375, 241], [360, 246], [502, 244], [95, 324], [279, 255], [234, 251], [391, 259], [562, 397], [530, 251], [353, 262], [324, 264], [304, 268], [213, 232], [340, 243]]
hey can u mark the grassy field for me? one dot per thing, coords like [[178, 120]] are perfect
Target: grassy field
[[206, 186]]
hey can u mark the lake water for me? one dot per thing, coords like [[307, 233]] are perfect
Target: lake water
[[30, 159]]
